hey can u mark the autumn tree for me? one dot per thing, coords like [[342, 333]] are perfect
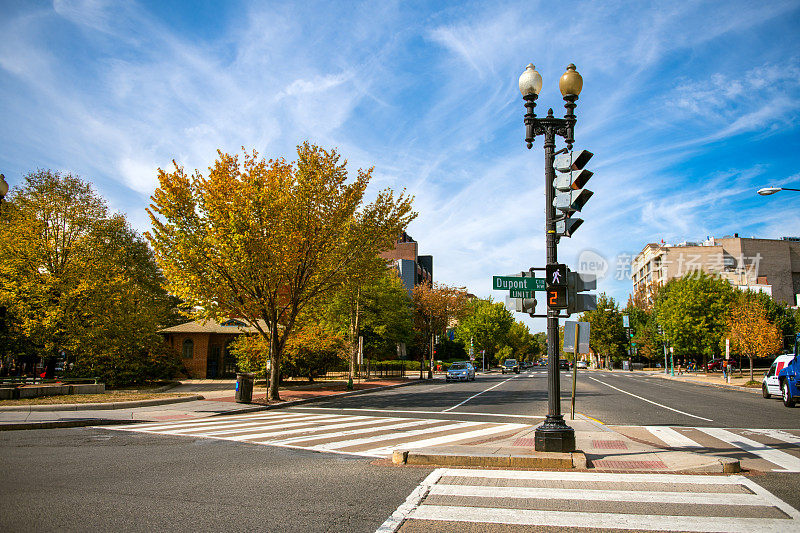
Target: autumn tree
[[263, 239], [750, 332], [436, 306], [487, 324]]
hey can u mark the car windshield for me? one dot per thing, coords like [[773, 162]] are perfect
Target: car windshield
[[458, 366], [510, 362]]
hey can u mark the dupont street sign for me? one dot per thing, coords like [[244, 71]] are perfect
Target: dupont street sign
[[500, 283]]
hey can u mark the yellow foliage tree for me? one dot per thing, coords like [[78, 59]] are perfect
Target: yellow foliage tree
[[749, 330], [435, 306], [262, 239]]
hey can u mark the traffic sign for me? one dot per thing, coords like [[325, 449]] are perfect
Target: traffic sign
[[515, 282], [516, 293]]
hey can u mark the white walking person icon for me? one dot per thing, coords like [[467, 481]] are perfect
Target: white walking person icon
[[556, 277]]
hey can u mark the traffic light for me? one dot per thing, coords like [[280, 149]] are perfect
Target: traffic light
[[577, 283], [556, 286], [570, 195], [525, 305]]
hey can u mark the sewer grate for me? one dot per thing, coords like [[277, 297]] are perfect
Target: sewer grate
[[524, 442], [611, 464], [609, 445]]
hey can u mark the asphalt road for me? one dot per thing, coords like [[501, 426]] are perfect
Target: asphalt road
[[85, 479], [614, 398]]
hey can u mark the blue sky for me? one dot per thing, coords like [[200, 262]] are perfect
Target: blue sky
[[689, 108]]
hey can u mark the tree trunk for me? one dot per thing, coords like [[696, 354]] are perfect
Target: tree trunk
[[354, 325], [275, 367], [751, 367]]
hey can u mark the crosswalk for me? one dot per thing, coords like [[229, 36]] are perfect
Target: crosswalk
[[776, 450], [553, 501], [369, 436]]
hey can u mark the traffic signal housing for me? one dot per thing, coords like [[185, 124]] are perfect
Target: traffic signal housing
[[571, 196], [556, 286], [576, 284]]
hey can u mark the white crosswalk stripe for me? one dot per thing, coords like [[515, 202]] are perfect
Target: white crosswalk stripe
[[663, 502], [370, 436], [756, 442]]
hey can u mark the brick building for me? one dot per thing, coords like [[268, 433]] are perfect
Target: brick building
[[764, 265], [203, 345], [412, 267]]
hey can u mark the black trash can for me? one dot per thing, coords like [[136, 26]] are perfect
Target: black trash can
[[244, 387]]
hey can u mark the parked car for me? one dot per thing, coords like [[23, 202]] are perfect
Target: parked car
[[563, 364], [510, 365], [582, 364], [716, 364], [460, 372], [770, 383]]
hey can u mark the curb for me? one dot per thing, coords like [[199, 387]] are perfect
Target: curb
[[536, 460], [99, 406], [16, 426], [291, 403]]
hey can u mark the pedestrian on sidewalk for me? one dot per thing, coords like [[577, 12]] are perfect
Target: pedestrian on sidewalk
[[724, 369], [680, 366]]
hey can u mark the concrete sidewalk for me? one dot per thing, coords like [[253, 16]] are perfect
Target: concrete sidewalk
[[207, 398], [599, 448], [716, 379]]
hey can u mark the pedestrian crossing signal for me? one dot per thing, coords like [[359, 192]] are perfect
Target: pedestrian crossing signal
[[556, 275]]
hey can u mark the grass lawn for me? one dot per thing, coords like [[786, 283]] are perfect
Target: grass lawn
[[112, 396]]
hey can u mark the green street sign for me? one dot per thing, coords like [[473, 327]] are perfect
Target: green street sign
[[516, 293], [501, 283]]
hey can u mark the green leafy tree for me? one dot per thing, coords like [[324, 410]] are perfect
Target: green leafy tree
[[78, 283], [607, 334], [521, 342], [693, 312], [263, 240], [487, 324], [539, 345]]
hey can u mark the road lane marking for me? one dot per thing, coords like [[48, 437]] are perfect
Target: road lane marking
[[778, 434], [391, 436], [436, 441], [551, 493], [415, 411], [476, 395], [565, 519], [672, 438], [448, 495], [649, 401], [789, 462]]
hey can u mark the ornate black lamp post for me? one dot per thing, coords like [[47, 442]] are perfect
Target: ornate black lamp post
[[554, 435], [3, 189]]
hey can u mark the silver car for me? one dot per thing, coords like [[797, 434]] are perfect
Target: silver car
[[460, 372]]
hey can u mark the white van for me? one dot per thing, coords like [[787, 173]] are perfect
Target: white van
[[770, 384]]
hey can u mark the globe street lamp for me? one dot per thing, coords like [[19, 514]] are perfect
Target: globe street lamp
[[766, 191], [3, 188], [554, 435]]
